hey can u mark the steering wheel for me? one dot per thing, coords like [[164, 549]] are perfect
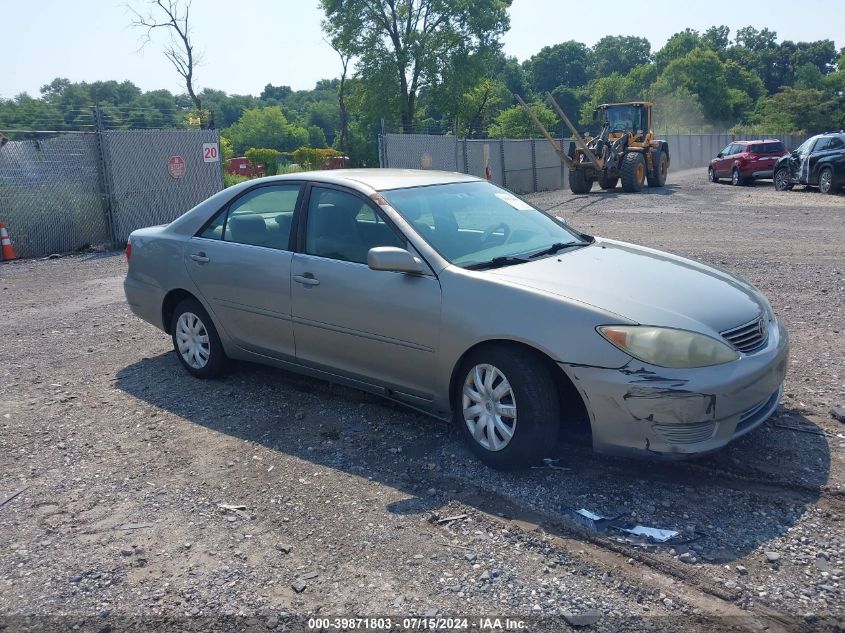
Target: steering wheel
[[489, 231]]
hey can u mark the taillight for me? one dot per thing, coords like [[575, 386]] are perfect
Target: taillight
[[128, 250]]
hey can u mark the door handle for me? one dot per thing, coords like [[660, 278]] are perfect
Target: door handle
[[306, 280], [202, 258]]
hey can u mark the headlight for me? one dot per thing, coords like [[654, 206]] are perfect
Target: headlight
[[666, 347]]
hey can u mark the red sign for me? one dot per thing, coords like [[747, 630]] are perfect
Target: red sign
[[176, 166]]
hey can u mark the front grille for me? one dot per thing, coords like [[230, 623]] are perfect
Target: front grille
[[749, 337], [686, 433]]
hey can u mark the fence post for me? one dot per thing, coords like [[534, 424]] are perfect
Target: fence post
[[466, 157], [105, 174], [502, 159], [383, 147], [534, 165]]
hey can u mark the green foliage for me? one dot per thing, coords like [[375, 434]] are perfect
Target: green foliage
[[420, 40], [313, 157], [226, 149], [265, 156], [233, 179], [565, 64], [515, 123], [265, 127], [619, 54]]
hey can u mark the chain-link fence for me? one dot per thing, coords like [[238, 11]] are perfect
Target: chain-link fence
[[529, 165], [51, 194], [157, 175], [65, 191]]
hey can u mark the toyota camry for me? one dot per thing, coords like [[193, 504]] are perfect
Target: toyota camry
[[459, 299]]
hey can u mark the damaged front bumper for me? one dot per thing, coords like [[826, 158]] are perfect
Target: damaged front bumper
[[643, 409]]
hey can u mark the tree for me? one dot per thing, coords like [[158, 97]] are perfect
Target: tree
[[174, 17], [619, 54], [700, 73], [677, 46], [412, 39], [265, 127], [515, 123], [565, 64], [267, 157], [717, 38]]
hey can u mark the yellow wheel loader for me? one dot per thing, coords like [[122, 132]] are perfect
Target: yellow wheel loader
[[625, 149]]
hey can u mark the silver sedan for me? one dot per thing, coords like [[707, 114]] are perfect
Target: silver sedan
[[459, 299]]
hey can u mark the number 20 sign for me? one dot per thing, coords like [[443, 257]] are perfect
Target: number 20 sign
[[210, 153]]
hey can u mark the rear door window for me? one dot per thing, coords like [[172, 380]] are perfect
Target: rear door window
[[261, 217], [837, 142]]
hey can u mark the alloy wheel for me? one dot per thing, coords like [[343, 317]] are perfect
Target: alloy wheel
[[192, 340], [781, 180], [825, 181], [489, 407]]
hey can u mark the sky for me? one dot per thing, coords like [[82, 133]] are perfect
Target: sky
[[250, 43]]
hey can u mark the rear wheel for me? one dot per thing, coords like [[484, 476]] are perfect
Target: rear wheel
[[507, 406], [781, 179], [660, 162], [711, 175], [736, 179], [826, 180], [196, 341], [633, 172], [606, 182], [578, 182]]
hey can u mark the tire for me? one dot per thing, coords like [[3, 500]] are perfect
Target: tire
[[531, 394], [201, 353], [578, 183], [826, 180], [633, 172], [781, 179], [661, 169], [736, 179], [711, 175], [608, 183]]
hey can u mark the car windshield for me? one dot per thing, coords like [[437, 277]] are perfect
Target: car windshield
[[472, 223]]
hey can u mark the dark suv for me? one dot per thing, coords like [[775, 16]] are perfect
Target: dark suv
[[746, 160], [818, 162]]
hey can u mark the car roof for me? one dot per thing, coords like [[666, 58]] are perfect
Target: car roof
[[765, 140], [378, 179]]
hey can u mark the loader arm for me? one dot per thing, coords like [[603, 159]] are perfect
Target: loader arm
[[591, 157], [555, 145]]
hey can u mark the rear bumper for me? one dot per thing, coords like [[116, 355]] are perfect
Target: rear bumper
[[762, 173], [646, 410], [145, 300]]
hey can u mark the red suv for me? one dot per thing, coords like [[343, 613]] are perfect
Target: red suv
[[746, 160]]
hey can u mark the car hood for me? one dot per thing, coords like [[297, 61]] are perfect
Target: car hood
[[643, 285]]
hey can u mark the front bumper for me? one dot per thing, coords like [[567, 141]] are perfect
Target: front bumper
[[643, 409]]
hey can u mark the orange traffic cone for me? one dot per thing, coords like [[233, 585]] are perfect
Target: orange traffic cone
[[7, 250]]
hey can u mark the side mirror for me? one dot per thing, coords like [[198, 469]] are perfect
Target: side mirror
[[393, 259], [794, 153], [719, 155]]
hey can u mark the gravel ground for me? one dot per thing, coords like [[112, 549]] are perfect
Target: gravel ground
[[266, 497]]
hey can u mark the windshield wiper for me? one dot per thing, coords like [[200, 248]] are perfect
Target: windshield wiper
[[554, 248], [498, 262]]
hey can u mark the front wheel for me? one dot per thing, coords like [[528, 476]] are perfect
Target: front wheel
[[826, 180], [195, 340], [660, 169], [711, 175], [633, 172], [578, 182], [507, 407], [781, 179]]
